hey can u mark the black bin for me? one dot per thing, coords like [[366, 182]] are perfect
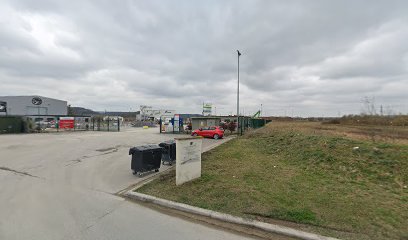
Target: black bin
[[145, 158], [169, 152]]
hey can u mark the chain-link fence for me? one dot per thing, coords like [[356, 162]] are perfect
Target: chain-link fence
[[109, 125], [12, 124], [250, 123]]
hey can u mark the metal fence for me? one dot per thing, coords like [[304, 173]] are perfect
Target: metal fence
[[93, 124], [246, 123], [17, 124], [108, 125], [171, 125]]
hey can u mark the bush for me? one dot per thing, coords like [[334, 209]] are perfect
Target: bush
[[231, 126], [332, 121], [398, 120], [224, 125]]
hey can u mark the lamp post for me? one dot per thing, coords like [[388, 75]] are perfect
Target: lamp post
[[239, 54]]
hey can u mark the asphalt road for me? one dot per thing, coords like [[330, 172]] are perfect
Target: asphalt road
[[62, 186]]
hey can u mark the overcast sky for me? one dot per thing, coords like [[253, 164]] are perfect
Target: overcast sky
[[306, 58]]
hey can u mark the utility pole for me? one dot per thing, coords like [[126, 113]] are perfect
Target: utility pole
[[239, 54]]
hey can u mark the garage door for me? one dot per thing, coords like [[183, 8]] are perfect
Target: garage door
[[36, 110], [211, 122]]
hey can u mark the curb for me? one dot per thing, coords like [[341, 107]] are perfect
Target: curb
[[267, 227], [272, 228]]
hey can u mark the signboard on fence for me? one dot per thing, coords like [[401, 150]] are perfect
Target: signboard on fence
[[66, 122]]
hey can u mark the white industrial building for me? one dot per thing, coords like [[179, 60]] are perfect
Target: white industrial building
[[32, 106]]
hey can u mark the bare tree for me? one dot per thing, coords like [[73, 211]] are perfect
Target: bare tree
[[389, 111], [369, 106]]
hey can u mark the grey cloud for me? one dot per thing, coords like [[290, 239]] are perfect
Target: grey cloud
[[181, 53]]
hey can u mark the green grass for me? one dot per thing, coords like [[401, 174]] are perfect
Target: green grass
[[312, 179]]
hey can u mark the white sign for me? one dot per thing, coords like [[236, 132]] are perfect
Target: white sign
[[148, 112], [207, 109], [67, 118], [188, 159]]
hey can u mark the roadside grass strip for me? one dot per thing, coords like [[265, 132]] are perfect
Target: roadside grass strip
[[325, 180]]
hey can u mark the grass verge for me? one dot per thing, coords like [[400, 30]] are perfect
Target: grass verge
[[301, 175]]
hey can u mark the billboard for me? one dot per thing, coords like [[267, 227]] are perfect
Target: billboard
[[153, 113], [66, 122], [3, 107], [207, 109]]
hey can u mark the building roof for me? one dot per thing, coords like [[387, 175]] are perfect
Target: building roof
[[31, 96], [209, 117]]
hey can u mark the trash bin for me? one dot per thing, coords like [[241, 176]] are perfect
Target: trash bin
[[169, 152], [145, 158]]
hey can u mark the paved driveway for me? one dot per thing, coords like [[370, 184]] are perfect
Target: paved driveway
[[62, 185]]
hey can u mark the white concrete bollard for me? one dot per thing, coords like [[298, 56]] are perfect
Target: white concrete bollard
[[188, 159]]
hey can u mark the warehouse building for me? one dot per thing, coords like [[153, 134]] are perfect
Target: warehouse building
[[36, 107], [199, 122]]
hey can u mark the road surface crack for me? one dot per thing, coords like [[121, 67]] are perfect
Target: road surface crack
[[78, 160], [101, 217], [72, 162], [107, 149], [18, 172], [112, 149]]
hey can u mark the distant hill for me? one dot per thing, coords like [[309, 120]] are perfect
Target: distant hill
[[122, 114], [80, 111]]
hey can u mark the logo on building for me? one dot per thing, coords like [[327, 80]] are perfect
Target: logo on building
[[36, 101], [3, 107]]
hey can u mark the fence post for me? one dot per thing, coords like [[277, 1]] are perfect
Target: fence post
[[242, 124], [118, 125], [108, 124]]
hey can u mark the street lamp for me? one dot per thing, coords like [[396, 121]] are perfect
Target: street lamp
[[239, 54]]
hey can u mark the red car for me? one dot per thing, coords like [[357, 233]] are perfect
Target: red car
[[212, 132]]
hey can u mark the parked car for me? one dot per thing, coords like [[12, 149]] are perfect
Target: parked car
[[212, 132]]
